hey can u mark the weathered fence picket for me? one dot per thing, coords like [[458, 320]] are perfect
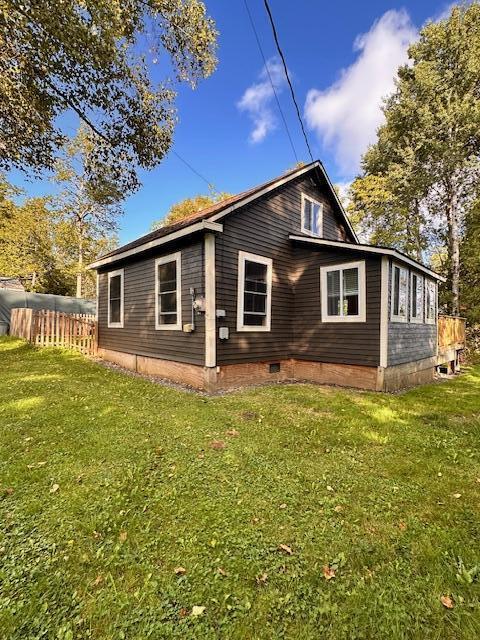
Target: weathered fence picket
[[55, 329]]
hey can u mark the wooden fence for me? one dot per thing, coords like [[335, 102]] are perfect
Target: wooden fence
[[56, 329], [451, 332]]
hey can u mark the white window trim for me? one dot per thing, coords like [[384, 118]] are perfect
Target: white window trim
[[362, 297], [418, 319], [393, 317], [111, 274], [435, 302], [172, 257], [242, 257], [304, 229]]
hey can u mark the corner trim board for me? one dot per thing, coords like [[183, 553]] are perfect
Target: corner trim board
[[384, 312], [210, 302]]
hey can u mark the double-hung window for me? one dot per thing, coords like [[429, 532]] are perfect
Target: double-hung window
[[343, 292], [115, 299], [399, 307], [416, 297], [312, 216], [254, 292], [430, 301], [168, 287]]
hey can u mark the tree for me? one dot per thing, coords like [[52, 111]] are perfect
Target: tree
[[88, 210], [428, 149], [26, 242], [90, 59], [189, 206]]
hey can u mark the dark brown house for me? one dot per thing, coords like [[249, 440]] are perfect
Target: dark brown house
[[271, 284]]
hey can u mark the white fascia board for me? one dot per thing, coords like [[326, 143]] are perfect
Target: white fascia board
[[367, 249], [203, 225]]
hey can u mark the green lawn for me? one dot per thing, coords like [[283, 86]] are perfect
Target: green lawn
[[109, 483]]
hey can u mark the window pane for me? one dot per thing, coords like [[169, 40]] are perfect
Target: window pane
[[316, 219], [402, 298], [396, 290], [167, 276], [333, 292], [115, 286], [168, 318], [254, 302], [253, 321], [115, 310], [255, 276], [419, 296], [307, 214], [414, 296], [350, 305], [168, 302], [350, 281]]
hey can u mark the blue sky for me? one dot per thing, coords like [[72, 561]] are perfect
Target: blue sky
[[341, 56]]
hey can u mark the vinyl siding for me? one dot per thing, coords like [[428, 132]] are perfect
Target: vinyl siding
[[263, 229], [139, 335], [408, 341], [336, 342]]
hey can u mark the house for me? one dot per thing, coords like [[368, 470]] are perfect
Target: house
[[271, 284], [14, 284]]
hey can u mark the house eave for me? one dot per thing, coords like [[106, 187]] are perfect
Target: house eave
[[384, 251], [203, 225]]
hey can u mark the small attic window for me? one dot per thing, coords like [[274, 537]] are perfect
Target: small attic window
[[312, 216]]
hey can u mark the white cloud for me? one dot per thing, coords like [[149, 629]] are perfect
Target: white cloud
[[347, 114], [257, 100]]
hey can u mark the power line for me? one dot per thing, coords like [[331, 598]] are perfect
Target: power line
[[270, 78], [193, 170], [280, 52]]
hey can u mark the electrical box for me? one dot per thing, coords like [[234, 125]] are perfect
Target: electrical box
[[220, 313], [188, 327], [223, 333]]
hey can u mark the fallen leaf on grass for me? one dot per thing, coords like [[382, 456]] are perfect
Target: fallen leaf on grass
[[447, 602], [98, 580], [285, 548], [123, 536], [9, 491], [233, 433], [329, 488], [180, 571], [262, 579], [457, 495], [222, 572], [328, 572], [197, 611], [218, 445], [338, 508], [283, 506], [54, 488], [402, 526], [183, 612]]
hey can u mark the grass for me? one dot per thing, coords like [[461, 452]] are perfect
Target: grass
[[109, 483]]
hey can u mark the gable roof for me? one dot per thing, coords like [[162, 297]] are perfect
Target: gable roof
[[193, 223]]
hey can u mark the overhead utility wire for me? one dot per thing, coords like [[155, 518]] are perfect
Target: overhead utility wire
[[270, 78], [193, 170], [280, 52]]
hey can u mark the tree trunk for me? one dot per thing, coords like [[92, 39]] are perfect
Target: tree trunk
[[80, 263], [454, 250]]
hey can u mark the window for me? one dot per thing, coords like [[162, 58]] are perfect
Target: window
[[254, 292], [416, 297], [430, 301], [343, 292], [399, 294], [312, 216], [168, 296], [115, 299]]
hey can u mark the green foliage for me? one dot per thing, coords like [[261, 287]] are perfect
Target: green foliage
[[427, 152], [88, 211], [188, 207], [91, 58], [364, 483]]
